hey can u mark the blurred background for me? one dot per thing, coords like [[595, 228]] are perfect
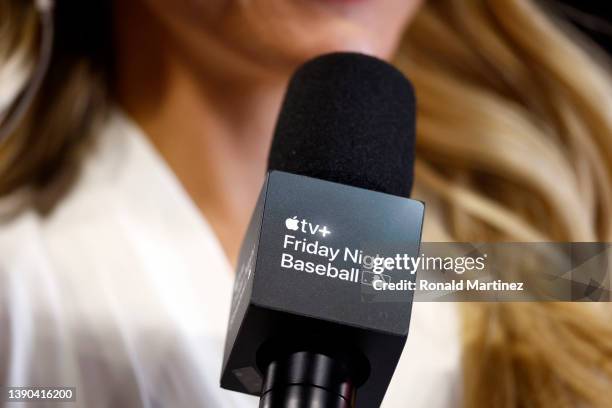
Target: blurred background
[[134, 143]]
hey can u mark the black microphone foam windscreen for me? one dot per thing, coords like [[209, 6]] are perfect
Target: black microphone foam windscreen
[[348, 118]]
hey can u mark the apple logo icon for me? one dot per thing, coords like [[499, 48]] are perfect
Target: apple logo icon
[[292, 223]]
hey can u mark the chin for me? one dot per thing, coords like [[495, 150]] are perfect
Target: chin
[[306, 28], [345, 40], [276, 35], [300, 43]]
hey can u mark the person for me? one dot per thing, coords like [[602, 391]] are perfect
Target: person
[[128, 185]]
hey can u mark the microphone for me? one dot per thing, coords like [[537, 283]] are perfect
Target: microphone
[[316, 318]]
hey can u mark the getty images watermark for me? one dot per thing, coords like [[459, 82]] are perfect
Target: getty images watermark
[[376, 274], [453, 272], [380, 280]]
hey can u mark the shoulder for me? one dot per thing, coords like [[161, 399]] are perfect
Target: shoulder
[[36, 242], [125, 217], [52, 286]]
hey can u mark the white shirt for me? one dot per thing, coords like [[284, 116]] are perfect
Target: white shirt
[[123, 292]]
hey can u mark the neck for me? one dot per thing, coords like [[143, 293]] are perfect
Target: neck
[[214, 131]]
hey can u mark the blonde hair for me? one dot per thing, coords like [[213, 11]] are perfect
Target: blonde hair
[[515, 143]]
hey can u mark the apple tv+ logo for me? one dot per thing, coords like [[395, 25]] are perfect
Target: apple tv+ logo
[[294, 224]]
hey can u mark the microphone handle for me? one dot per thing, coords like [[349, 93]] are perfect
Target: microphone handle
[[307, 379]]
